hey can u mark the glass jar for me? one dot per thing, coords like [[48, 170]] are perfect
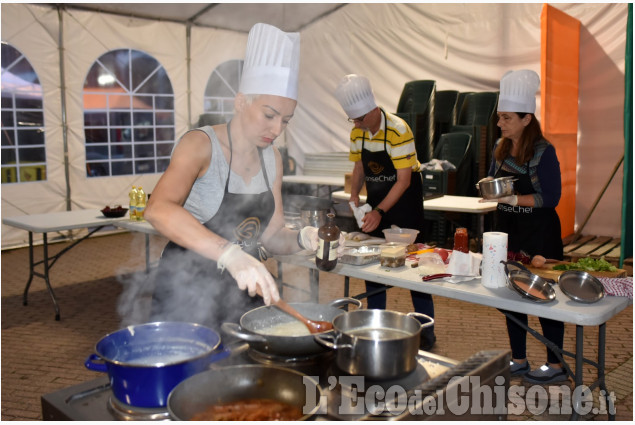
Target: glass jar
[[461, 240]]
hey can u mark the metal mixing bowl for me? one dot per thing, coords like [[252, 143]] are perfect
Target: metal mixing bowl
[[496, 188]]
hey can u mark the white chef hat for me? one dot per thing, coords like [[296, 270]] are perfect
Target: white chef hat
[[518, 91], [272, 62], [355, 95]]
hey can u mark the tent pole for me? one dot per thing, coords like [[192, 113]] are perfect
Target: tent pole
[[63, 106], [188, 61]]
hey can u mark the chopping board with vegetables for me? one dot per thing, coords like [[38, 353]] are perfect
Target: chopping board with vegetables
[[597, 267]]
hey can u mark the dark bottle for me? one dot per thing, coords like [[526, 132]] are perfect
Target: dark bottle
[[328, 241]]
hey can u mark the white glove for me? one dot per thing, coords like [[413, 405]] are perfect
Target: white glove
[[511, 200], [308, 239], [249, 273]]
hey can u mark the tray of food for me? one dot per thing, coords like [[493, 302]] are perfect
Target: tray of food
[[360, 255], [597, 267]]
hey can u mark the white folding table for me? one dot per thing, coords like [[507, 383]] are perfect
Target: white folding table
[[562, 308], [91, 219]]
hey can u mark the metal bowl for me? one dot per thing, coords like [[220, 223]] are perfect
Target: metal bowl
[[581, 286], [529, 285], [496, 188]]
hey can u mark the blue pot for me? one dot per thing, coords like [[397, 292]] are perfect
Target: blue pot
[[145, 362]]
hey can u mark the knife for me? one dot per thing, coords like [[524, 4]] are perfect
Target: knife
[[442, 275]]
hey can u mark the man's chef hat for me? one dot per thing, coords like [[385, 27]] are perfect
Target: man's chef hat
[[518, 91], [272, 62], [355, 95]]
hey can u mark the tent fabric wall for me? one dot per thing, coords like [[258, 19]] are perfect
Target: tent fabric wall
[[465, 48]]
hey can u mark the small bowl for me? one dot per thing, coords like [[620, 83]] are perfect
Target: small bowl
[[114, 212], [401, 235]]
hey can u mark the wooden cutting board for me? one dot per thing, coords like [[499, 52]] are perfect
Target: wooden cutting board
[[548, 272]]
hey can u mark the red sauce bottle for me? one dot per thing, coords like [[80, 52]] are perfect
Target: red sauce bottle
[[461, 240]]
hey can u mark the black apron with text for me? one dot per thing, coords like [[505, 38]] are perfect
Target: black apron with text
[[190, 287], [536, 231], [381, 176]]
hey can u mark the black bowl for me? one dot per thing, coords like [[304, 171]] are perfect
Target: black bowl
[[114, 212]]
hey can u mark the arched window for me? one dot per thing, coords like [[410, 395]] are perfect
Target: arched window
[[221, 89], [128, 115], [23, 149]]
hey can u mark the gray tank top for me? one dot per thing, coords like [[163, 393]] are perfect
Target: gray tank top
[[207, 192]]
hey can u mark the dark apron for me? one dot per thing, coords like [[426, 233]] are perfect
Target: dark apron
[[381, 176], [190, 287], [536, 231]]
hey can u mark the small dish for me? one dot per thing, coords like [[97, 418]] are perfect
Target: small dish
[[114, 212]]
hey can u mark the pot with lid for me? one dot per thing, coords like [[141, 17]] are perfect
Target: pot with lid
[[378, 344]]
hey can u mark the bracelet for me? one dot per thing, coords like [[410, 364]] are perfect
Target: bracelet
[[380, 211]]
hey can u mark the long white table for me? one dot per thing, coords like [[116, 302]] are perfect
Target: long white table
[[562, 308], [91, 219]]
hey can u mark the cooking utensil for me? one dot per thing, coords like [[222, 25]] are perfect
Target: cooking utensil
[[261, 318], [378, 344], [442, 275], [496, 188], [581, 286], [421, 251], [312, 209], [145, 362], [234, 383], [315, 326], [529, 285]]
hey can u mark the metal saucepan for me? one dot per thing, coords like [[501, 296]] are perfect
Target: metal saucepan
[[378, 344], [496, 188], [529, 285], [255, 321], [235, 383], [145, 362], [581, 286], [312, 209]]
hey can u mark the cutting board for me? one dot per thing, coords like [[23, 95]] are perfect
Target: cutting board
[[548, 272]]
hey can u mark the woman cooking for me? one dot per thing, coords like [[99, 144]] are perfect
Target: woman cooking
[[528, 217], [219, 202]]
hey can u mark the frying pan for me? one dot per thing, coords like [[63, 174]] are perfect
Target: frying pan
[[581, 286], [290, 346], [241, 382], [529, 285]]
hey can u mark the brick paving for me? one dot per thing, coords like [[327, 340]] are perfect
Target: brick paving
[[41, 355]]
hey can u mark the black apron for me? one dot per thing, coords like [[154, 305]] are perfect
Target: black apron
[[381, 176], [536, 231], [190, 287]]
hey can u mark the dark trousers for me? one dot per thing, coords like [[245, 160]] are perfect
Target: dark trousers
[[422, 302], [553, 330]]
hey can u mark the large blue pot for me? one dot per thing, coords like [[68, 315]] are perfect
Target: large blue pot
[[145, 362]]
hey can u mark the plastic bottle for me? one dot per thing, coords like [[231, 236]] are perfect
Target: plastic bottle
[[132, 206], [461, 240], [141, 204], [328, 242]]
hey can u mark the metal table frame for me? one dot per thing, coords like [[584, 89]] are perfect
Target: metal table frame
[[562, 309]]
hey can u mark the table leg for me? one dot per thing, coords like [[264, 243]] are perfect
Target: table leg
[[147, 253], [314, 283], [579, 359], [31, 271], [47, 280]]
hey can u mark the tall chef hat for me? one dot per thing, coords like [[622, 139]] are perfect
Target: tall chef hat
[[272, 62], [355, 95], [518, 91]]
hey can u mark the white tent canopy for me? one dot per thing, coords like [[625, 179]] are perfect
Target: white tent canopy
[[465, 47]]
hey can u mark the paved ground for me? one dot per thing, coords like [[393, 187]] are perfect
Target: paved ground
[[41, 355]]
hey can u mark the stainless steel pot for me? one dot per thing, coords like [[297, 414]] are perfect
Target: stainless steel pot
[[527, 284], [267, 316], [235, 383], [378, 344], [496, 188], [312, 209]]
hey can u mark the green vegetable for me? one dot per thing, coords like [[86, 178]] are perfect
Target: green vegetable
[[589, 265]]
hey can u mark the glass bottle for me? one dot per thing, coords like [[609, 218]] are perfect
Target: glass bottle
[[132, 205], [328, 242], [141, 204], [461, 240]]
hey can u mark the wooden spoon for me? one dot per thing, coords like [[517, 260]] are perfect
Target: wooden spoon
[[315, 326]]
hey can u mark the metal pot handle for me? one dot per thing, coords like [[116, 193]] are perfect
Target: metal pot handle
[[430, 320], [341, 302], [323, 339], [237, 331], [97, 367], [222, 353]]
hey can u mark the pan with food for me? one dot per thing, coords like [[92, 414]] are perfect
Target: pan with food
[[527, 284]]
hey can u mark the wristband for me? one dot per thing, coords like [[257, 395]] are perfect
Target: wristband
[[380, 211]]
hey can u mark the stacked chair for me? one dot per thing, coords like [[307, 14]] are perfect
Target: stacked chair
[[445, 113], [416, 107]]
